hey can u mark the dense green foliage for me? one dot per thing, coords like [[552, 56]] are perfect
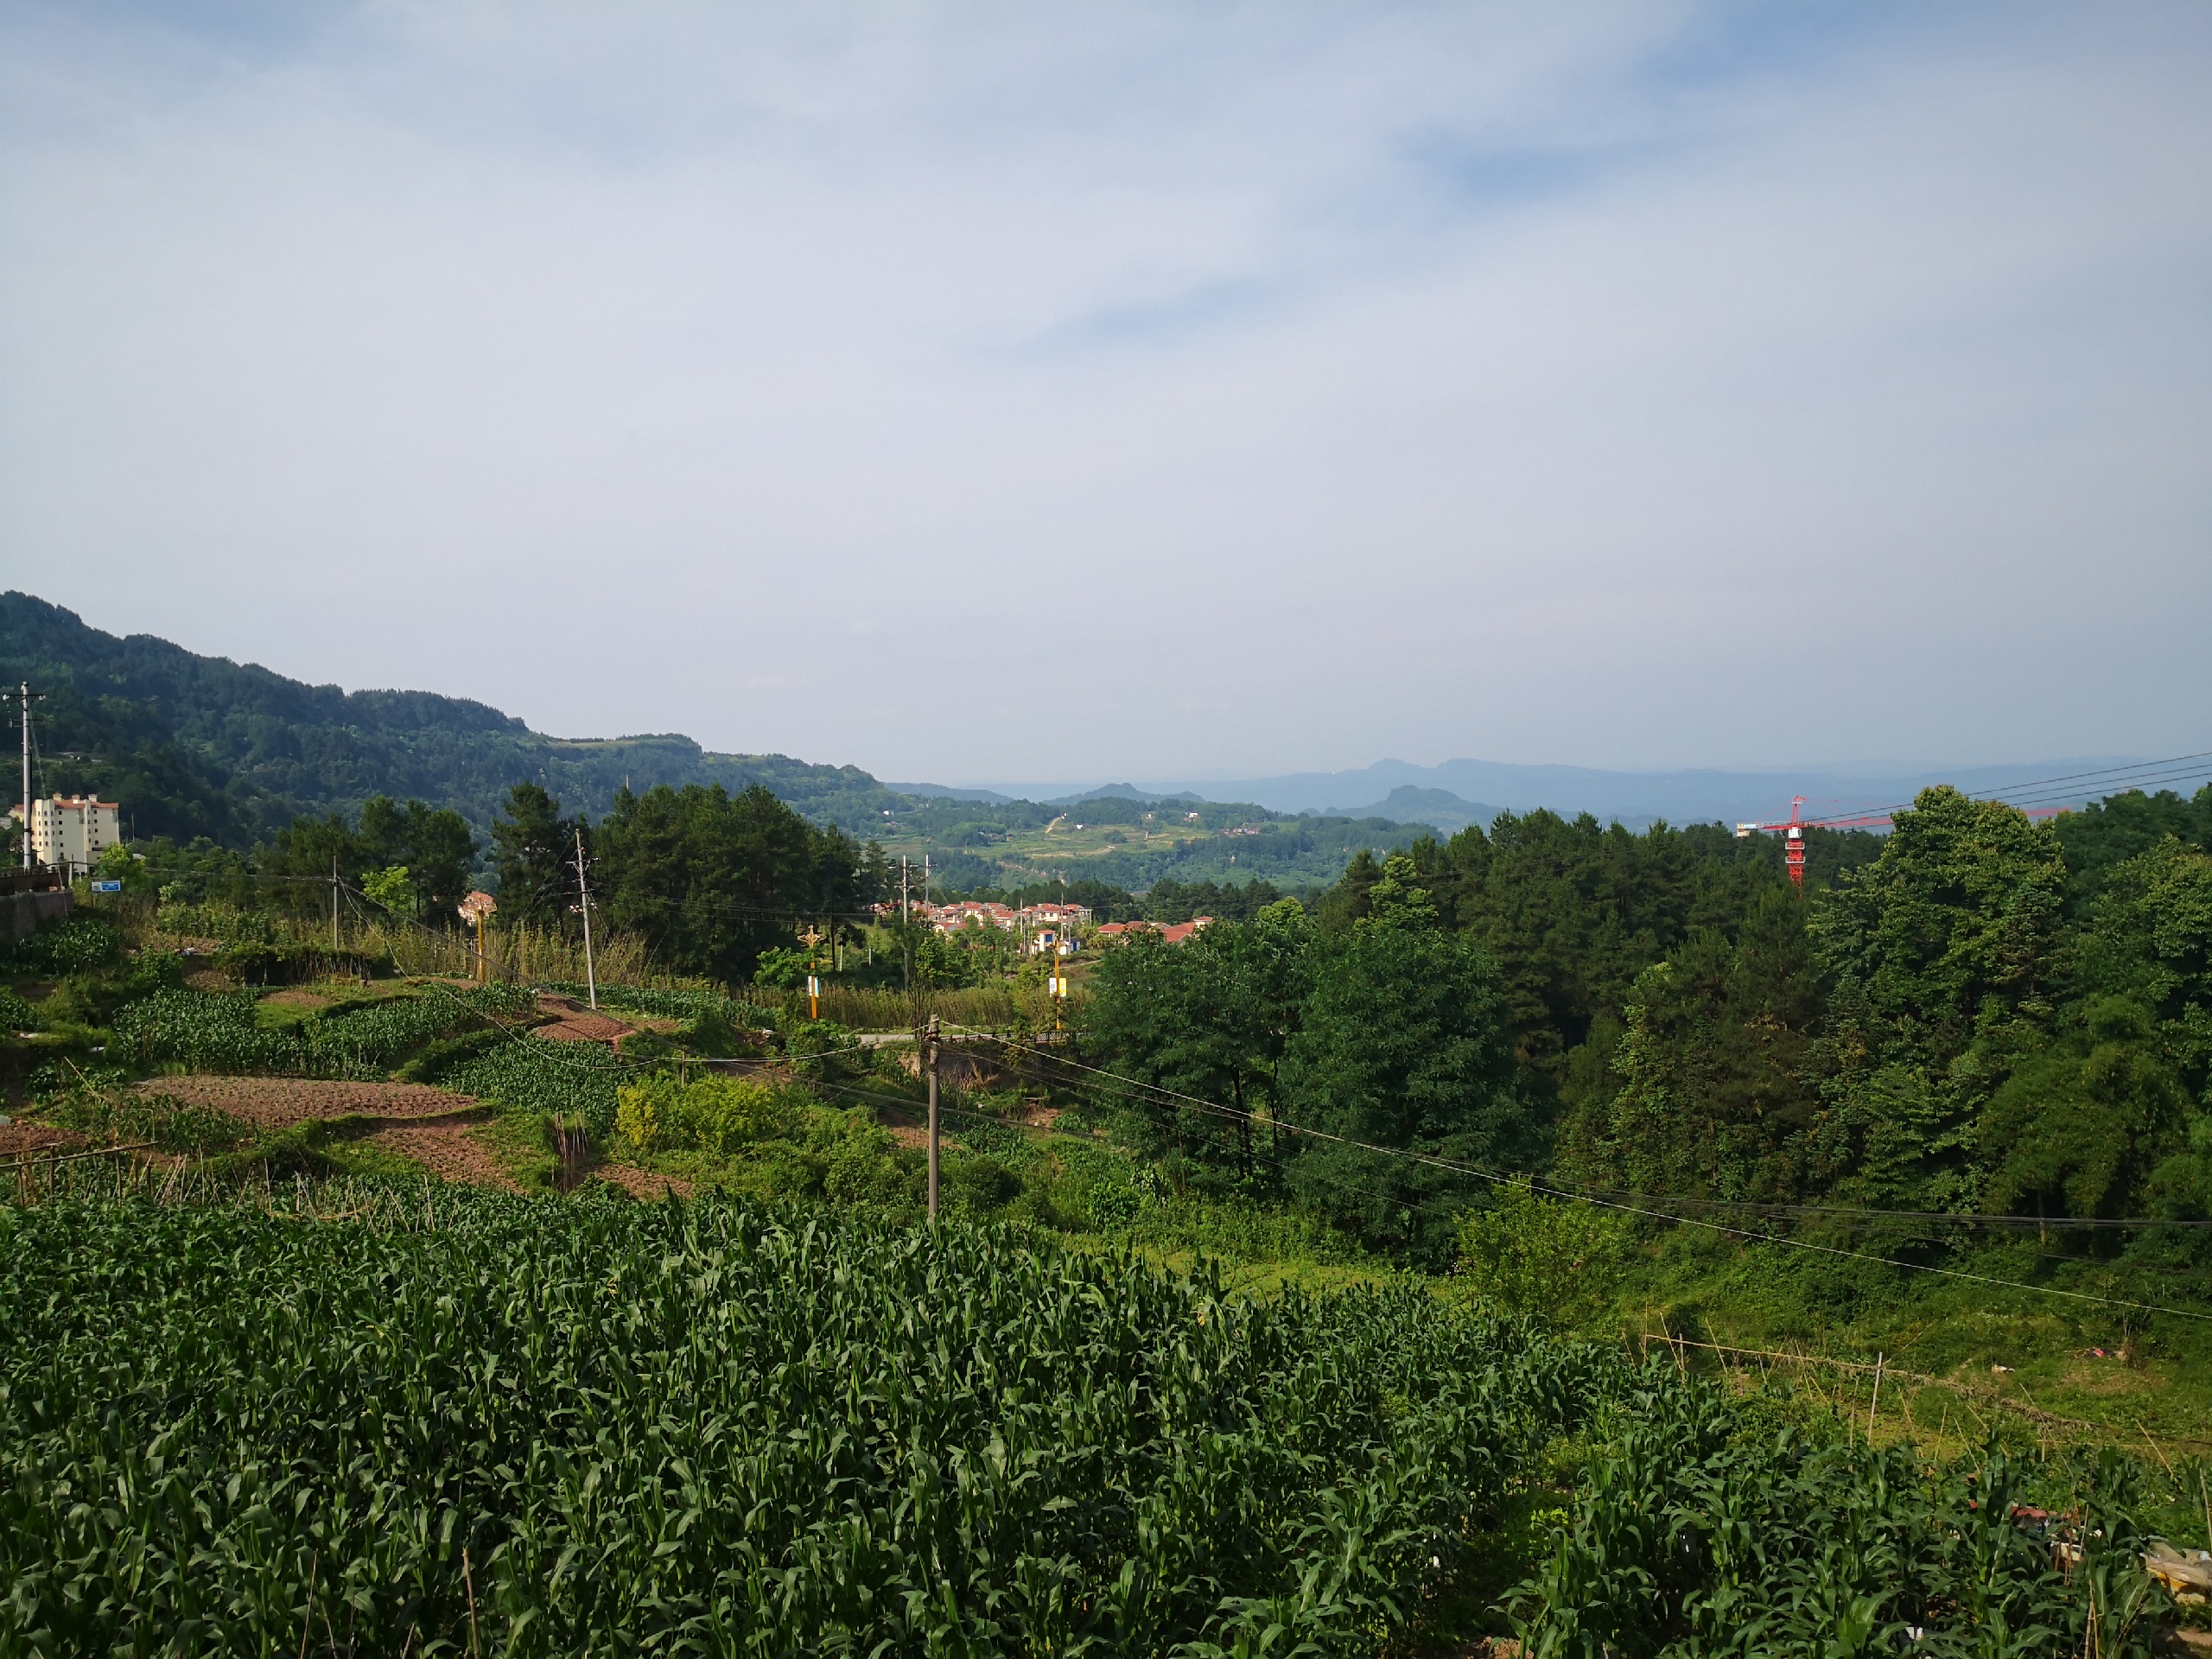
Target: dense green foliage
[[659, 1429], [1973, 1013], [534, 1426], [712, 879], [1692, 1536]]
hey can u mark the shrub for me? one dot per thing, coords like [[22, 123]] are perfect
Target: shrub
[[76, 944], [1537, 1256], [659, 1114]]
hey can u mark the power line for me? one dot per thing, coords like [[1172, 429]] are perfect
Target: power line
[[1501, 1178], [2121, 778]]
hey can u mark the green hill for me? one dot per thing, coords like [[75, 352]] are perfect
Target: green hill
[[202, 746]]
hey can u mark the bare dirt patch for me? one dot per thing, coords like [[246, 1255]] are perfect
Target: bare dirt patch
[[447, 1148], [573, 1022], [28, 1140], [643, 1183], [279, 1103], [296, 999]]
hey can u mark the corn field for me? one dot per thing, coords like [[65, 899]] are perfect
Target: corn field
[[539, 1427], [433, 1420]]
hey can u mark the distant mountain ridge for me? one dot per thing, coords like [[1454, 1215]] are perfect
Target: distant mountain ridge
[[1636, 798], [196, 746]]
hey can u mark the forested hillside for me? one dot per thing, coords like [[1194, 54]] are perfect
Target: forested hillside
[[200, 746], [1975, 1013]]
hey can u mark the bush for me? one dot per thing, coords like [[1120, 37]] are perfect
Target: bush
[[659, 1114], [1560, 1262], [77, 944]]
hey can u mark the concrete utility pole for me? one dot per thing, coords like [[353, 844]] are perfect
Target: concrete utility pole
[[27, 775], [929, 1068], [334, 908], [583, 900]]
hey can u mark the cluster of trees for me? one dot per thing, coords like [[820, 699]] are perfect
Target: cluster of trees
[[710, 881], [414, 859], [1975, 1013]]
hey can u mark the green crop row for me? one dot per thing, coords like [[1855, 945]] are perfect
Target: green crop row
[[219, 1032], [536, 1426], [576, 1081], [708, 1429]]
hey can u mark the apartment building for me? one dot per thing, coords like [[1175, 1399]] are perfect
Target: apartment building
[[71, 831]]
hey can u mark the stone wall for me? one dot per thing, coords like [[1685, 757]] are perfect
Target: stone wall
[[21, 912]]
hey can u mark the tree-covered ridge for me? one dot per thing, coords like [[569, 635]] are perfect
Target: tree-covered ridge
[[200, 746], [1977, 1013]]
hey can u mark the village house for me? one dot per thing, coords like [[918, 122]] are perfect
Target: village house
[[1173, 933]]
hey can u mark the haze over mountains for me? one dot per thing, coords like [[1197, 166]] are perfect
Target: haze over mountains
[[202, 746], [1458, 793]]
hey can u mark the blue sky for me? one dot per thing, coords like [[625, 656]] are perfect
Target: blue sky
[[1007, 390]]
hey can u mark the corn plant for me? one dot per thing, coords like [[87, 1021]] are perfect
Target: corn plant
[[538, 1427]]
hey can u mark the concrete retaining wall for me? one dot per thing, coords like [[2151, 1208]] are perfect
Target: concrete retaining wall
[[21, 912]]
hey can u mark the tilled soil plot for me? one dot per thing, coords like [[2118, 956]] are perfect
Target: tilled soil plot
[[447, 1148], [643, 1183], [279, 1103], [20, 1140], [430, 1127]]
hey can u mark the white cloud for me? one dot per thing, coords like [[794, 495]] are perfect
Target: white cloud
[[1170, 390]]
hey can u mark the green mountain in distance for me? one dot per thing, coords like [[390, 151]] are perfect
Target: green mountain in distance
[[196, 746], [201, 746]]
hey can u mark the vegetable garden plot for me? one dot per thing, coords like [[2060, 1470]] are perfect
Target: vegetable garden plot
[[538, 1427]]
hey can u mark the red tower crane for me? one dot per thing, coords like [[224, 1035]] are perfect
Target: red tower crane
[[1792, 832], [1792, 829]]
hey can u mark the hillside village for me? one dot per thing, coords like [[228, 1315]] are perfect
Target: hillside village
[[1045, 929]]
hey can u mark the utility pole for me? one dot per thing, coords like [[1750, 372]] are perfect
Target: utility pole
[[583, 898], [929, 1066], [334, 907], [27, 775]]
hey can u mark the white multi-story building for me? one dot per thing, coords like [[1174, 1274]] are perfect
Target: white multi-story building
[[72, 830]]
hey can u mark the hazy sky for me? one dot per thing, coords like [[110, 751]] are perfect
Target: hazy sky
[[1007, 390]]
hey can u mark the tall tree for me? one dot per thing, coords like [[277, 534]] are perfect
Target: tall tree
[[1209, 1017], [532, 846], [1943, 953], [434, 845], [1709, 1093], [713, 879], [1405, 1042], [2077, 1129]]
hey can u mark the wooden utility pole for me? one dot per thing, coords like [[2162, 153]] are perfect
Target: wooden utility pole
[[929, 1070]]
